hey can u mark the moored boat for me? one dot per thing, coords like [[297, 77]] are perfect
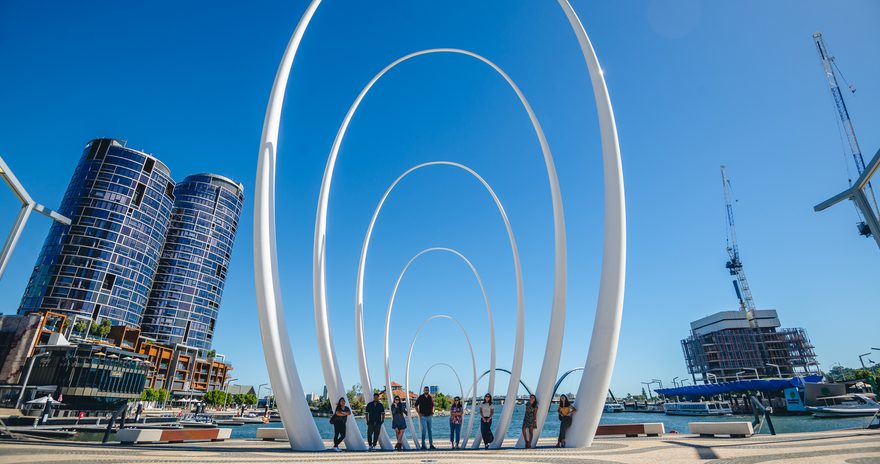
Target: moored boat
[[852, 405], [703, 408]]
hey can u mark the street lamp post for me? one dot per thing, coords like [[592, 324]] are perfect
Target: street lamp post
[[683, 381], [27, 376], [778, 370], [757, 376], [738, 374], [648, 384], [709, 374], [862, 359], [260, 387], [674, 381]]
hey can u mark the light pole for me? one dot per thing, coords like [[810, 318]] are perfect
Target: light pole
[[683, 381], [674, 379], [862, 359], [709, 374], [260, 387], [778, 370], [648, 384], [842, 370], [757, 376], [268, 396], [27, 376], [738, 374]]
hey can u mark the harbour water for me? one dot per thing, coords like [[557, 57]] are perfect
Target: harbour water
[[783, 424]]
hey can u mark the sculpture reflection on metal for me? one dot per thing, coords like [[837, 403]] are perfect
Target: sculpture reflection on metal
[[519, 345], [406, 376], [282, 370]]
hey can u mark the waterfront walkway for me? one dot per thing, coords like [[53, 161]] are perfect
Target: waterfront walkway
[[844, 446]]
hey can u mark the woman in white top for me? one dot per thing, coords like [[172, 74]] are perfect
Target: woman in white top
[[486, 413]]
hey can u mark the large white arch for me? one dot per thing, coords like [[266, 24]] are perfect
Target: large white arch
[[519, 344], [553, 352], [406, 377], [390, 310], [454, 372], [283, 374]]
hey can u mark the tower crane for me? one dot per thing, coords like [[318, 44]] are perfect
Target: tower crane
[[861, 192], [734, 264]]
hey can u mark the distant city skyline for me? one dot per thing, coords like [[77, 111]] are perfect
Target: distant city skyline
[[694, 84]]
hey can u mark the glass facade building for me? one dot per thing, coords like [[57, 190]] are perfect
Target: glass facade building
[[102, 266], [189, 282]]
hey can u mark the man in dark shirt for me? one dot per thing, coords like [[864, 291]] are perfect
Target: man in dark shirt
[[425, 407], [375, 413]]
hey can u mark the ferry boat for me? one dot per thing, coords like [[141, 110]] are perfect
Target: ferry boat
[[705, 408], [613, 407], [852, 405]]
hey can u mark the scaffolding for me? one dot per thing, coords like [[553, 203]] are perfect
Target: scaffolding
[[727, 352]]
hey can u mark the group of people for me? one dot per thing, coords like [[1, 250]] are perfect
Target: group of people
[[424, 406]]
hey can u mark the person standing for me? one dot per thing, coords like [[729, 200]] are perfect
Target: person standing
[[375, 413], [565, 411], [456, 415], [339, 419], [425, 408], [486, 413], [530, 420], [138, 412], [398, 421]]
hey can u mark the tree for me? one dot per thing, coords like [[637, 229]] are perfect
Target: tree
[[149, 394], [80, 326], [215, 397], [355, 397], [162, 396], [102, 329], [211, 353], [442, 401]]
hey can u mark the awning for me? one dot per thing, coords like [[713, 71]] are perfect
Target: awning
[[739, 386]]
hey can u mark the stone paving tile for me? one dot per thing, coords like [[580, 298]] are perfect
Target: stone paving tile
[[851, 447]]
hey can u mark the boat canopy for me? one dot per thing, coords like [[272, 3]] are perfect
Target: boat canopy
[[739, 385]]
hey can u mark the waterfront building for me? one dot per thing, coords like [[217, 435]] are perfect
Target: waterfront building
[[185, 299], [728, 344], [101, 266]]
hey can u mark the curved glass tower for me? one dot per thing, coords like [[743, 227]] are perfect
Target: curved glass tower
[[102, 265], [186, 294]]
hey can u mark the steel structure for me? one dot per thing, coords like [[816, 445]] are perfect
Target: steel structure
[[861, 192], [734, 264], [28, 205]]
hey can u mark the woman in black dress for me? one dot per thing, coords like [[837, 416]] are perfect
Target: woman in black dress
[[530, 420], [398, 421], [339, 419]]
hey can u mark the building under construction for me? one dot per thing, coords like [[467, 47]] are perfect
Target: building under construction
[[736, 344], [731, 345]]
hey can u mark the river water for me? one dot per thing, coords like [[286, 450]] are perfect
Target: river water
[[783, 424]]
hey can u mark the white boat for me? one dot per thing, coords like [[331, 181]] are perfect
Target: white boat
[[703, 408], [613, 407], [853, 405]]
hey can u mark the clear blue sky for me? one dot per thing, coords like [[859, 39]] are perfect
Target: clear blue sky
[[695, 84]]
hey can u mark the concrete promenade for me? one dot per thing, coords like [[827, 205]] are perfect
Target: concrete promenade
[[845, 446]]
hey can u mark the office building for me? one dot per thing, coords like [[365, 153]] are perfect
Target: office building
[[185, 298], [732, 345], [102, 265]]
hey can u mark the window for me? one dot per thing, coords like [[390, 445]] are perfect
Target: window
[[109, 280], [138, 194], [148, 165], [169, 190]]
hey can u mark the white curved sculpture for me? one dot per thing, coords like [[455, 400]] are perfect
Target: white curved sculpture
[[325, 342], [279, 357], [390, 310], [519, 344], [473, 366], [454, 372]]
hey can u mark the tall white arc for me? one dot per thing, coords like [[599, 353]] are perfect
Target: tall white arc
[[332, 377], [276, 344], [599, 364], [520, 315]]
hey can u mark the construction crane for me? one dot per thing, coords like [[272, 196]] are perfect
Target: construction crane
[[734, 264], [862, 192]]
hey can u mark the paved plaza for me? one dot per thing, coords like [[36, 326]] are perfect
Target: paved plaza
[[845, 446]]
